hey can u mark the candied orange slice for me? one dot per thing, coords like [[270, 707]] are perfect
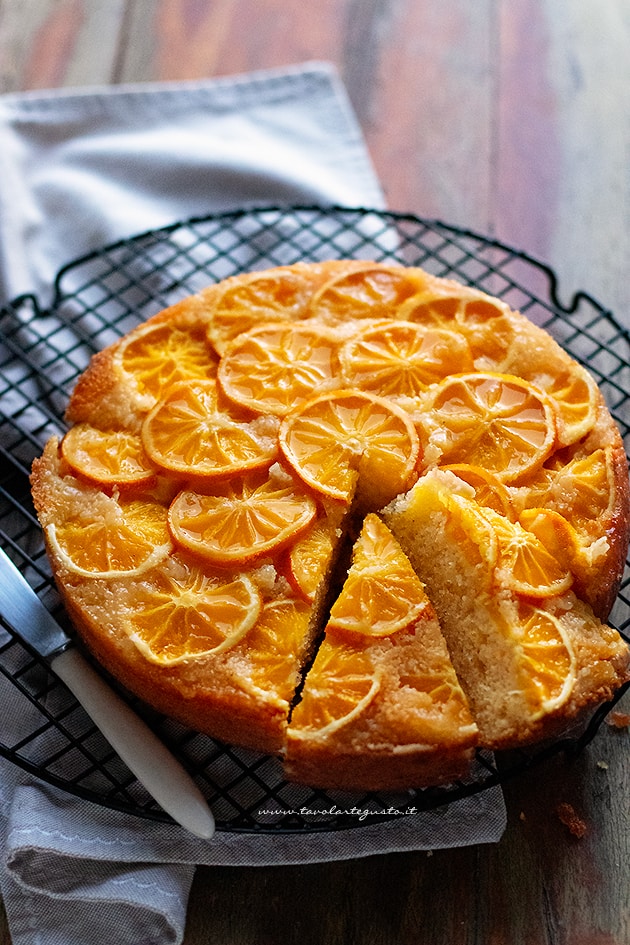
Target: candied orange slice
[[308, 560], [582, 490], [484, 322], [126, 539], [492, 420], [553, 530], [276, 647], [576, 398], [489, 490], [189, 433], [374, 291], [547, 663], [277, 295], [382, 593], [106, 457], [160, 354], [243, 519], [526, 566], [341, 686], [184, 614], [273, 368], [337, 439], [401, 358]]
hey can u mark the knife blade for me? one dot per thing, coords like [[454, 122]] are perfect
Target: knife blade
[[144, 754]]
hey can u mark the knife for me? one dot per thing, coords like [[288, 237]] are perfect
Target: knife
[[143, 753]]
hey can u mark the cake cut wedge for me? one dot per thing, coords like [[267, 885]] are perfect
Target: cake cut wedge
[[381, 707], [531, 656]]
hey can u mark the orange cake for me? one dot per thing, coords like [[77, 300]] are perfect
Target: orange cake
[[200, 512]]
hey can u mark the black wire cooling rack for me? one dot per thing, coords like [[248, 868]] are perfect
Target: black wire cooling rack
[[103, 295]]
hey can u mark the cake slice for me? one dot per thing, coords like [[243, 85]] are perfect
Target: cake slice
[[530, 655], [381, 707]]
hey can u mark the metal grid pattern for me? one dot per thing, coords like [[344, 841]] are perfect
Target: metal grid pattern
[[105, 294]]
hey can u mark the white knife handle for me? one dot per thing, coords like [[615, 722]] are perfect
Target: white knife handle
[[145, 755]]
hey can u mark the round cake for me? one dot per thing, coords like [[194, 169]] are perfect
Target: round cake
[[349, 513]]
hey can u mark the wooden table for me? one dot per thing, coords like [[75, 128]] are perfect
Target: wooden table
[[508, 117]]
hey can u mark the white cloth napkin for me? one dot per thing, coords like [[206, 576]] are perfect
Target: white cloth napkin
[[79, 169]]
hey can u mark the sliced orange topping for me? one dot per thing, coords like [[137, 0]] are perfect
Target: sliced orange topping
[[548, 664], [524, 563], [243, 519], [189, 434], [382, 593], [489, 490], [375, 291], [401, 358], [575, 397], [106, 457], [341, 686], [124, 538], [337, 439], [184, 614], [553, 530], [484, 322], [492, 420], [158, 355], [276, 647], [273, 368], [309, 558], [582, 489], [276, 295]]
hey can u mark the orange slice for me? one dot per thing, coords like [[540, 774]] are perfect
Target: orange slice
[[184, 614], [525, 565], [188, 433], [547, 663], [496, 421], [308, 560], [273, 368], [277, 295], [245, 518], [582, 490], [342, 685], [158, 355], [276, 647], [339, 439], [382, 593], [485, 323], [557, 535], [374, 291], [489, 490], [126, 539], [400, 358], [106, 457], [576, 397]]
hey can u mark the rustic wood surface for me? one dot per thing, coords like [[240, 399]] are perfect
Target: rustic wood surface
[[509, 117]]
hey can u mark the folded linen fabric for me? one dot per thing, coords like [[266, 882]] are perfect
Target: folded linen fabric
[[79, 169]]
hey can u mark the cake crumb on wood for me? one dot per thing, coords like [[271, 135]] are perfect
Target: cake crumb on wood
[[618, 719], [568, 816]]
